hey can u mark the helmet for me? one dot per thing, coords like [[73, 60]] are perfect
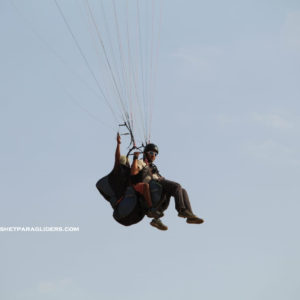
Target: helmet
[[151, 147]]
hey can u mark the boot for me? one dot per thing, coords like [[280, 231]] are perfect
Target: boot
[[158, 224]]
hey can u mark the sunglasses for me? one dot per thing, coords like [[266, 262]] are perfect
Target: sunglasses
[[152, 153]]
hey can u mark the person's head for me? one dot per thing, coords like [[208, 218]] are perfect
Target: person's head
[[150, 152], [124, 161]]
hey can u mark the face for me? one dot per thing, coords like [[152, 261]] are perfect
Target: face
[[151, 155]]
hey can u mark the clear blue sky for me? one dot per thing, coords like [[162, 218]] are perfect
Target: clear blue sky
[[226, 120]]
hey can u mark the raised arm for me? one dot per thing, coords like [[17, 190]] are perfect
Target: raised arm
[[118, 152], [134, 166]]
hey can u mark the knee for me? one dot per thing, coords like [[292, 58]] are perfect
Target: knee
[[178, 187], [184, 192]]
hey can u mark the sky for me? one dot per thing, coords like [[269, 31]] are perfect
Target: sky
[[226, 119]]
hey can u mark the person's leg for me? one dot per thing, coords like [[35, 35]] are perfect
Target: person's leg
[[179, 195], [146, 194], [182, 202], [188, 213], [174, 189], [186, 200], [144, 190]]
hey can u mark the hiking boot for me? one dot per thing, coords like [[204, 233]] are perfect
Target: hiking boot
[[194, 220], [154, 213], [158, 224], [186, 214]]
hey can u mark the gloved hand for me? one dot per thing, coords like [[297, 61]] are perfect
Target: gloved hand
[[154, 169]]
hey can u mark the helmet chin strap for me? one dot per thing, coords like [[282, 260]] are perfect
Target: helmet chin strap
[[150, 161]]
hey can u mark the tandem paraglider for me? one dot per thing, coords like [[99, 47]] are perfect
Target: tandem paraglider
[[126, 38], [138, 190]]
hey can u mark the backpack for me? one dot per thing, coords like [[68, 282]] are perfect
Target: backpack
[[129, 208]]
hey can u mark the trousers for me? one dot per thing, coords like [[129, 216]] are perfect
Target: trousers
[[174, 189]]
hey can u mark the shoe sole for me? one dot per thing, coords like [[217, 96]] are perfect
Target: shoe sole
[[194, 221]]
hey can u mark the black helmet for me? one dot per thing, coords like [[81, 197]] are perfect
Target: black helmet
[[151, 147]]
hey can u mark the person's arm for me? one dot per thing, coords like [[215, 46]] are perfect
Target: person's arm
[[118, 152], [134, 167]]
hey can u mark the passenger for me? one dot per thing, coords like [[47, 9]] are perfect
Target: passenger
[[119, 178], [148, 171]]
